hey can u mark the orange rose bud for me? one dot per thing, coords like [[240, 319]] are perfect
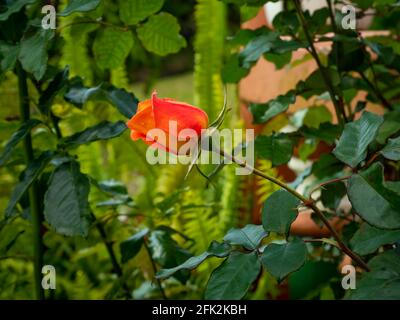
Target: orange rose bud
[[165, 114]]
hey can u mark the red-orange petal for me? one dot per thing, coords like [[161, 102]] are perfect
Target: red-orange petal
[[186, 115]]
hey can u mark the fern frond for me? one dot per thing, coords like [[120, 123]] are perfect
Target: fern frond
[[265, 187], [209, 44]]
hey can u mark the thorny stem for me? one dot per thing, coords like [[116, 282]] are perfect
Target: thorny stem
[[153, 264], [307, 202], [337, 102], [33, 193]]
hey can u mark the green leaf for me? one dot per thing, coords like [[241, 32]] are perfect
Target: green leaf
[[372, 200], [232, 72], [393, 185], [317, 115], [66, 206], [248, 237], [282, 259], [215, 249], [332, 194], [267, 42], [9, 54], [278, 148], [286, 22], [125, 102], [16, 138], [280, 60], [383, 282], [326, 131], [232, 279], [352, 146], [79, 6], [55, 86], [390, 125], [78, 94], [131, 247], [392, 149], [102, 131], [134, 11], [264, 112], [326, 166], [33, 52], [168, 254], [14, 7], [160, 34], [368, 239], [31, 173], [111, 47], [279, 211]]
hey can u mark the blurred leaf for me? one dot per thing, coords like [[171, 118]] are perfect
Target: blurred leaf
[[111, 47], [278, 148], [248, 237], [232, 72], [357, 135], [54, 87], [393, 185], [16, 138], [33, 52], [134, 11], [125, 102], [15, 6], [264, 112], [280, 60], [392, 149], [282, 259], [267, 42], [160, 34], [8, 56], [286, 22], [79, 6], [103, 131], [326, 166], [317, 115], [307, 148], [279, 211], [326, 131], [232, 279], [66, 206], [111, 187], [78, 94], [31, 173], [215, 249], [368, 239], [383, 282], [390, 125], [130, 248], [167, 253], [375, 203], [332, 194]]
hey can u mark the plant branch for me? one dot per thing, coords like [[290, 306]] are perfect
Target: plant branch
[[32, 192], [117, 268], [337, 102], [307, 202], [153, 264]]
